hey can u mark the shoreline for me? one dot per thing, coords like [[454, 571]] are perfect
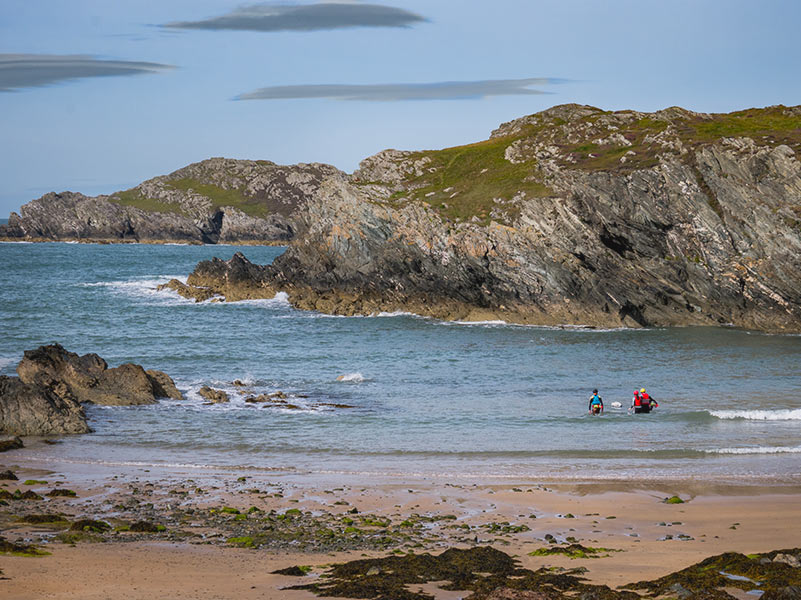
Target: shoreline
[[117, 241], [202, 514]]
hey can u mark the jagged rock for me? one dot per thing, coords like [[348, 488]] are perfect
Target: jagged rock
[[8, 475], [87, 378], [212, 395], [163, 385], [236, 278], [33, 409], [676, 226], [216, 200]]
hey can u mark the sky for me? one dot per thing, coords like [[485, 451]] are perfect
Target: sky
[[98, 96]]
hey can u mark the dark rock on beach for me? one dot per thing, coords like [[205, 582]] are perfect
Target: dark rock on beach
[[8, 475], [10, 443], [33, 409]]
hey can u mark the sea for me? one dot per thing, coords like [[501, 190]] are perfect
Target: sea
[[396, 395]]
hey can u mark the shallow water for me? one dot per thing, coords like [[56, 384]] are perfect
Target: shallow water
[[426, 397]]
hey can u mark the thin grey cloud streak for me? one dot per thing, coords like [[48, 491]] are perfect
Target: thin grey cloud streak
[[444, 90], [18, 71], [312, 17]]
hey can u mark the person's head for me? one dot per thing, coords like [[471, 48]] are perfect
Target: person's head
[[636, 392], [595, 391], [642, 391]]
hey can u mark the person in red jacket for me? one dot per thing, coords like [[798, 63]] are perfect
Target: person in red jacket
[[637, 405], [642, 402], [646, 399]]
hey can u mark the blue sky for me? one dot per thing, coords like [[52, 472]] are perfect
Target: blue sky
[[97, 96]]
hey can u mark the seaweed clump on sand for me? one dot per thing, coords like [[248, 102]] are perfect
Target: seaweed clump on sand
[[776, 574], [483, 570], [17, 549], [573, 551]]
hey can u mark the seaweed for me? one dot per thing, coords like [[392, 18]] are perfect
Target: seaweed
[[770, 572], [572, 551], [481, 570]]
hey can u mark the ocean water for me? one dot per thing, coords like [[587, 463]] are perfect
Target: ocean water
[[397, 394]]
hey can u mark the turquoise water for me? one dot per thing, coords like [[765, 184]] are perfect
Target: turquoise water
[[425, 397]]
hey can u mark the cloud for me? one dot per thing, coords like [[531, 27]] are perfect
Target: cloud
[[444, 90], [34, 70], [324, 15]]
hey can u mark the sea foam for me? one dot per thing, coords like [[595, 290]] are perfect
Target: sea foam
[[351, 377], [790, 414], [760, 450]]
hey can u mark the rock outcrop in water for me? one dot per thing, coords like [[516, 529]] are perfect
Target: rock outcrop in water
[[570, 216], [88, 378], [53, 383], [217, 200]]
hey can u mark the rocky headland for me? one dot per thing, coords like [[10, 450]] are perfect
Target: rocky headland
[[53, 384], [214, 201], [571, 216]]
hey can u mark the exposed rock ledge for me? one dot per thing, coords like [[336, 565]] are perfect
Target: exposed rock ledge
[[570, 216], [46, 398]]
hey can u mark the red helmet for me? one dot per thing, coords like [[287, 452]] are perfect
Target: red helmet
[[636, 392]]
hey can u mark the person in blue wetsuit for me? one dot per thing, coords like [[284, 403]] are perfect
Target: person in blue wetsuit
[[596, 406]]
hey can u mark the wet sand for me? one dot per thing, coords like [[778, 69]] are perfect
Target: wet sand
[[193, 558]]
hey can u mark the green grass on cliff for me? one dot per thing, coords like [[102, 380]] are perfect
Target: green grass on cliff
[[221, 197], [135, 199], [754, 122], [464, 181], [218, 196]]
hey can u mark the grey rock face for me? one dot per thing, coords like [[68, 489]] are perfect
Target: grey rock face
[[639, 220], [37, 410], [217, 200]]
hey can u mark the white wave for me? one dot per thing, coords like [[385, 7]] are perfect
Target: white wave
[[351, 377], [144, 288], [7, 360], [394, 313], [760, 450], [280, 299], [789, 414]]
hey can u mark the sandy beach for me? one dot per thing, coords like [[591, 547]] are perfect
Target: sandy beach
[[204, 516]]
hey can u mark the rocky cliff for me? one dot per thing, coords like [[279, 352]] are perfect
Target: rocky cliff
[[574, 215], [217, 200]]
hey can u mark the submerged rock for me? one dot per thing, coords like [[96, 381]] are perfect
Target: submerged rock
[[212, 395]]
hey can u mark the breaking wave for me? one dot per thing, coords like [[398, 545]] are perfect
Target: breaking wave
[[790, 414]]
